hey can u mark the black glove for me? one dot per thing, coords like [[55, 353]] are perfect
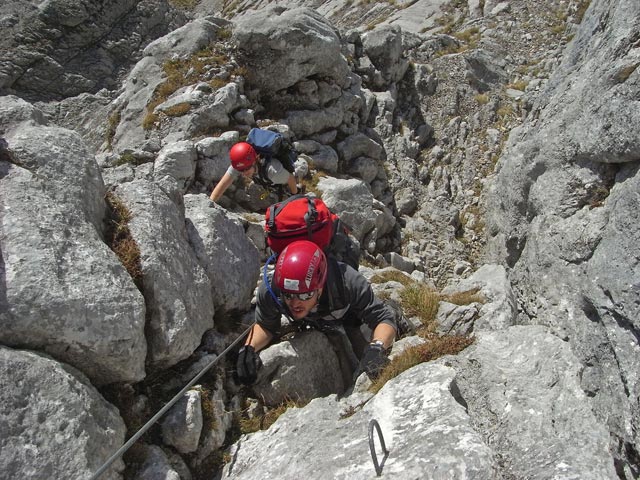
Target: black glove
[[373, 361], [248, 365]]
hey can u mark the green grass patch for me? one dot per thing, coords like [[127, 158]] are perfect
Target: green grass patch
[[435, 348]]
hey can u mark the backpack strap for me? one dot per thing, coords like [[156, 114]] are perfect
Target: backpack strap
[[335, 285], [262, 177], [267, 282]]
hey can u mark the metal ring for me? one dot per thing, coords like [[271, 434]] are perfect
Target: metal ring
[[378, 466]]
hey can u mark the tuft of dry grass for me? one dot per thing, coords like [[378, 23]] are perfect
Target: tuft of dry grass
[[471, 36], [217, 83], [464, 298], [180, 72], [119, 239], [311, 182], [224, 34], [184, 4], [436, 347], [392, 276], [350, 411], [128, 158], [581, 9], [518, 85], [598, 196], [178, 110], [504, 111], [625, 72], [422, 302], [112, 124], [482, 98], [150, 119], [263, 422], [209, 414]]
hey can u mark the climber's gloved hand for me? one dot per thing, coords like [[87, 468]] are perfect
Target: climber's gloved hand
[[373, 360], [248, 365]]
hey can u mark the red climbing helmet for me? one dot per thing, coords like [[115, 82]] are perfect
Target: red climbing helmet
[[301, 267], [242, 156]]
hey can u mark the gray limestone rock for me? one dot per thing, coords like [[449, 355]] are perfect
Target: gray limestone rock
[[64, 291], [177, 161], [352, 201], [176, 288], [497, 310], [303, 368], [224, 251], [384, 47], [282, 47], [182, 425], [563, 214], [213, 157], [426, 430], [62, 48], [521, 387], [156, 465], [55, 424]]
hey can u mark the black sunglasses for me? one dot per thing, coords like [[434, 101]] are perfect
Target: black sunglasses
[[300, 296]]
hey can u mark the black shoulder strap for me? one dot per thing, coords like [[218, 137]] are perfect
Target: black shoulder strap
[[263, 177], [335, 284]]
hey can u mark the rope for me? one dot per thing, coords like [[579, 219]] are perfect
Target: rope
[[164, 409]]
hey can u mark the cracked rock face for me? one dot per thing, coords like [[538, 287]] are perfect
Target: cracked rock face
[[48, 46], [561, 215]]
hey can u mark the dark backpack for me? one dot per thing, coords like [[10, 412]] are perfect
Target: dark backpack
[[270, 144], [303, 217]]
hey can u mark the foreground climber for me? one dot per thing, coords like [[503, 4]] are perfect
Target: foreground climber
[[266, 170], [318, 292]]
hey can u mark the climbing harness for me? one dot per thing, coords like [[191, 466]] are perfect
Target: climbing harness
[[164, 409], [378, 466]]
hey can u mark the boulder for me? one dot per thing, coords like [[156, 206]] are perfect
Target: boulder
[[55, 424], [281, 47]]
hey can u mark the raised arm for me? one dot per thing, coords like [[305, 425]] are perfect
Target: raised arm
[[291, 182], [220, 188]]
